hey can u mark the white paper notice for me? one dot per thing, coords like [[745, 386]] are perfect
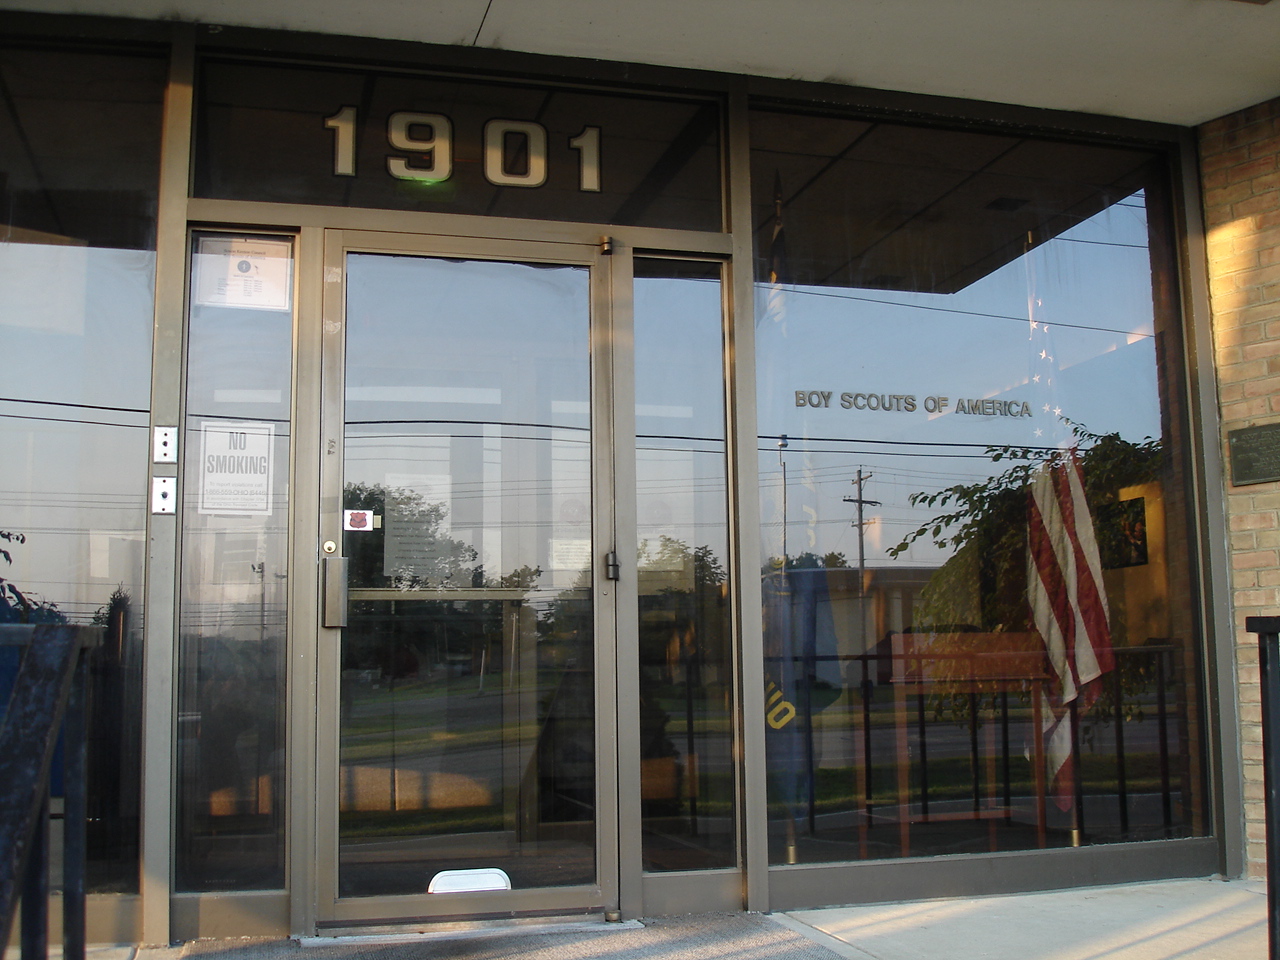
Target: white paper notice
[[572, 554], [417, 541], [235, 468], [234, 272]]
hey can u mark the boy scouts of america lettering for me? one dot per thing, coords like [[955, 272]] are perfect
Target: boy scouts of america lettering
[[909, 403]]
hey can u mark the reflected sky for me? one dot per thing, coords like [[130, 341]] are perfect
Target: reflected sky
[[680, 421], [468, 382], [1064, 333], [75, 396]]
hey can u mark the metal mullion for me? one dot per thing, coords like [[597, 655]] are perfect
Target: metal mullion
[[328, 684], [160, 630], [303, 626], [534, 901], [478, 248], [453, 225], [987, 874], [744, 511], [1216, 689], [630, 816], [608, 606]]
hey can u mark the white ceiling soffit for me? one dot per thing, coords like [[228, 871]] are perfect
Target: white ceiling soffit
[[1176, 61]]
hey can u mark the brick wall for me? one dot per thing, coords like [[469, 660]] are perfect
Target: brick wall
[[1240, 166]]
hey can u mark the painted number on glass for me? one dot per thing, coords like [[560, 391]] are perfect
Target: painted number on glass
[[515, 151]]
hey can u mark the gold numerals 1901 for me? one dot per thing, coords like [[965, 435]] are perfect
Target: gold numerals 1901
[[429, 138]]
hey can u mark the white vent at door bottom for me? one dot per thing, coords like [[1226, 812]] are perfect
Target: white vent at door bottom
[[469, 881]]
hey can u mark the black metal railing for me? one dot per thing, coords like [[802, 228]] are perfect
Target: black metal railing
[[48, 696], [1268, 631], [1141, 681]]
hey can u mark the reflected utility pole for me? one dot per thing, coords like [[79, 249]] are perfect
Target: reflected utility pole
[[782, 445], [793, 855], [861, 524]]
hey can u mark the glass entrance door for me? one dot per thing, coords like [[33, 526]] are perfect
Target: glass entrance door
[[466, 611]]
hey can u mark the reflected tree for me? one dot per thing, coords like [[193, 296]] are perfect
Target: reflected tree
[[982, 588], [983, 525], [18, 605], [438, 559], [421, 555]]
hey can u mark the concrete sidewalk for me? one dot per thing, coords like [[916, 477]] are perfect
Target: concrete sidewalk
[[1168, 920]]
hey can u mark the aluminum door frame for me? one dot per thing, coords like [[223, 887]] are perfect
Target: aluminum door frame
[[332, 911]]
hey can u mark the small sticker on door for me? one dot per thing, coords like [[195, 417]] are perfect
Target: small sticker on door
[[360, 520]]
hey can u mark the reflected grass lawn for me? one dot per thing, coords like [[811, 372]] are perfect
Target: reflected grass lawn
[[371, 825]]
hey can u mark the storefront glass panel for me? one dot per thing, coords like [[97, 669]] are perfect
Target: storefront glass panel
[[355, 138], [235, 548], [978, 555], [686, 735], [79, 157], [979, 626], [468, 685]]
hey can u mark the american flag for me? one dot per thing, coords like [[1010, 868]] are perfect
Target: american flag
[[1068, 606], [775, 310]]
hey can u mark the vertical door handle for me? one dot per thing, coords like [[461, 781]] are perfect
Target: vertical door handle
[[335, 591]]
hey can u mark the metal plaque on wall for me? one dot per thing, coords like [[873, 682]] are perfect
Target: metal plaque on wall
[[1255, 454]]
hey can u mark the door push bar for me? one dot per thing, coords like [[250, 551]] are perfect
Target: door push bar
[[335, 591]]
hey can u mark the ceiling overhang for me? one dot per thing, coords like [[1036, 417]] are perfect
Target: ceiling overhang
[[1171, 61]]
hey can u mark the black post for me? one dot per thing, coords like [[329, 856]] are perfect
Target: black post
[[1122, 768], [35, 890], [924, 753], [1077, 809], [1166, 798], [975, 758], [74, 814], [690, 746], [810, 757], [1268, 631], [868, 691], [1005, 767]]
